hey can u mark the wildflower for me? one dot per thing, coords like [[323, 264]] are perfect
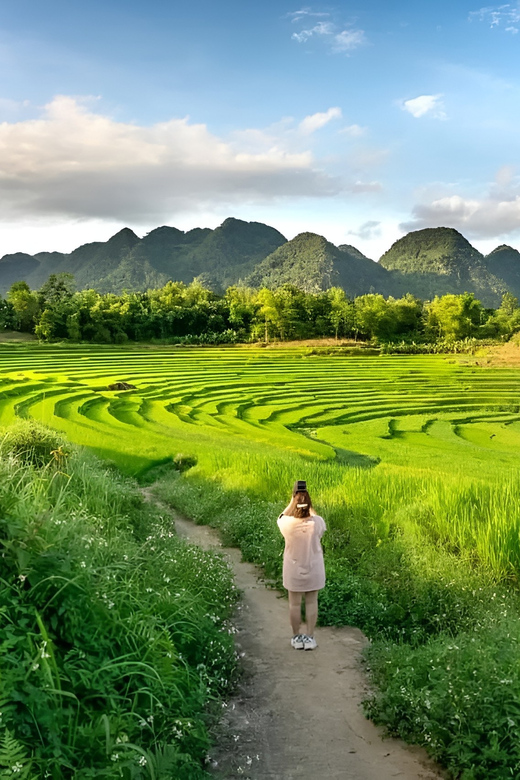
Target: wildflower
[[22, 577], [17, 768], [142, 761]]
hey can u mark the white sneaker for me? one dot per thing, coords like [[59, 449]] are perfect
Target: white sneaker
[[297, 642], [309, 643]]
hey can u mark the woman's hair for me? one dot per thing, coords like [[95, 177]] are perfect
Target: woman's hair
[[300, 505]]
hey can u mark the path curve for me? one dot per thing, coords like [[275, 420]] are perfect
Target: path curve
[[297, 714]]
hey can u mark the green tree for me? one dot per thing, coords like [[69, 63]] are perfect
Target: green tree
[[342, 315], [509, 304], [407, 313], [241, 307], [6, 315], [268, 314], [57, 288], [374, 317], [453, 316], [25, 306]]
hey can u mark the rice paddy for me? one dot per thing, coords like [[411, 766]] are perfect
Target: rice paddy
[[391, 431], [421, 411]]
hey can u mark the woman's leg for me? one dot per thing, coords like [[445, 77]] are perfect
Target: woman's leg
[[311, 610], [295, 611]]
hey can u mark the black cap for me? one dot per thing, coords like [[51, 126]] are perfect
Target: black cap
[[299, 486]]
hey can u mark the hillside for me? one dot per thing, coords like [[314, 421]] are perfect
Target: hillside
[[436, 261], [312, 263], [429, 262], [222, 256], [504, 262]]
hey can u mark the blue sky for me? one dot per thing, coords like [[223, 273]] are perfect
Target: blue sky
[[359, 121]]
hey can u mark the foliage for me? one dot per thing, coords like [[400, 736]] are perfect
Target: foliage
[[34, 444], [24, 305], [425, 263], [114, 633], [457, 695], [192, 314]]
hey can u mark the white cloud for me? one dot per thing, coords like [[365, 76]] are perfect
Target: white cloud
[[354, 131], [505, 15], [347, 40], [341, 39], [297, 16], [492, 216], [322, 28], [425, 105], [315, 121], [365, 186], [74, 163]]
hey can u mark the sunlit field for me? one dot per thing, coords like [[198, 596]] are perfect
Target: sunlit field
[[383, 432]]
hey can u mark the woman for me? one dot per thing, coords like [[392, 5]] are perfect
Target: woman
[[303, 567]]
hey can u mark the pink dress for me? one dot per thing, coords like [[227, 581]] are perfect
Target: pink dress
[[303, 566]]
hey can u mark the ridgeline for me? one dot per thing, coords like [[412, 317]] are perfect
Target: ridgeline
[[425, 263]]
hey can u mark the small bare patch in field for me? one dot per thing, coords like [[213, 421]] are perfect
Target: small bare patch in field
[[505, 355], [13, 335]]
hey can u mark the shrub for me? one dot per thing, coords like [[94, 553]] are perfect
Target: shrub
[[34, 444], [184, 462], [116, 640]]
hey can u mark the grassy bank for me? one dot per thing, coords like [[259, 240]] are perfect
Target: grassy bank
[[114, 634], [440, 607]]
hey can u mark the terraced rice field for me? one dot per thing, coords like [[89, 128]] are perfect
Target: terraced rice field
[[401, 441], [427, 412]]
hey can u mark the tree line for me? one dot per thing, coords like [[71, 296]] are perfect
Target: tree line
[[191, 313]]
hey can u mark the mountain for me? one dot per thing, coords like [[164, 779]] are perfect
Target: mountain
[[429, 262], [504, 262], [312, 263], [15, 268], [436, 261], [222, 256]]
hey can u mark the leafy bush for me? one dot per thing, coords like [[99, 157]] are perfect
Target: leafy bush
[[466, 346], [115, 638], [34, 444], [456, 695], [184, 462]]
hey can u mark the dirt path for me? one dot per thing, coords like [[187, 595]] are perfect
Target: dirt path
[[297, 714]]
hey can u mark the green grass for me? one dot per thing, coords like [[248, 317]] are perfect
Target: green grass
[[114, 633], [412, 460]]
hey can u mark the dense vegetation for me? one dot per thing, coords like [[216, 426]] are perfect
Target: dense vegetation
[[412, 460], [179, 313], [425, 263], [114, 633]]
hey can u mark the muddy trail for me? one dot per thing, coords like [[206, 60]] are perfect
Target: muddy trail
[[297, 714]]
